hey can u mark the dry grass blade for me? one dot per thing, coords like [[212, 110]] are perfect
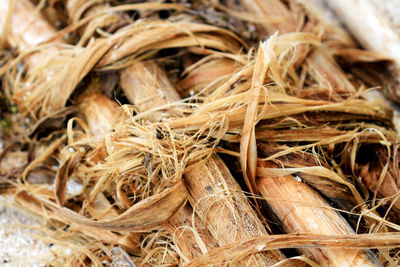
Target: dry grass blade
[[156, 35], [307, 112], [147, 215], [248, 147], [49, 151], [302, 240], [37, 205], [63, 173]]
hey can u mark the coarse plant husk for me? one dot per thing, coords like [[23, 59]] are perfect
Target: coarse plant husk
[[137, 164]]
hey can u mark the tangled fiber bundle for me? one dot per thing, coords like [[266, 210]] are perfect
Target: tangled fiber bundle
[[196, 133]]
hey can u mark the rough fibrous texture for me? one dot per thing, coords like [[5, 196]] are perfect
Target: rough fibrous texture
[[198, 133]]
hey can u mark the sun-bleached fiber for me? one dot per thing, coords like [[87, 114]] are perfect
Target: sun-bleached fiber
[[142, 183]]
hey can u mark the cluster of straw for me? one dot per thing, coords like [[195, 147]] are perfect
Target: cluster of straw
[[136, 139]]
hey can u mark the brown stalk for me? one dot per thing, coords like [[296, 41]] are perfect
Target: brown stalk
[[181, 226], [214, 193], [303, 210], [158, 90], [337, 192], [22, 26]]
